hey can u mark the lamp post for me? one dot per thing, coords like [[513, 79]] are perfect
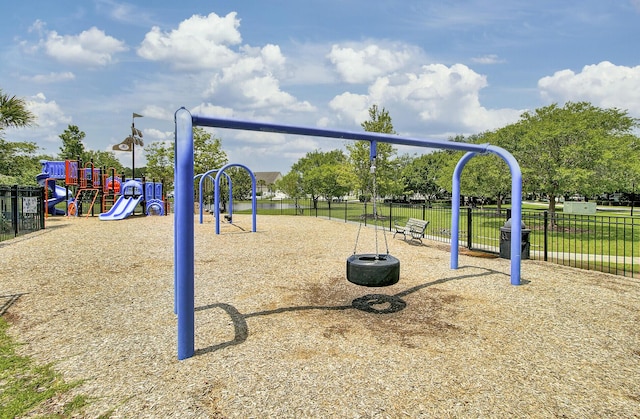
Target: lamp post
[[136, 137]]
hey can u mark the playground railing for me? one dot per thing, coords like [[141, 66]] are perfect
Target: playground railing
[[21, 210]]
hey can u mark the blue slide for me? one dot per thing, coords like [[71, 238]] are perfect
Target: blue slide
[[123, 208], [58, 194]]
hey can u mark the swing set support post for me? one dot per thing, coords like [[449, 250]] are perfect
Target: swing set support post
[[184, 197], [516, 209]]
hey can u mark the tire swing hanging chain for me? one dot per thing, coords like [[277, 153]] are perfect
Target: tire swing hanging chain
[[373, 270], [375, 215]]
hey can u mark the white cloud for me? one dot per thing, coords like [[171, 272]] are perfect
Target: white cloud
[[247, 77], [309, 66], [251, 82], [199, 43], [153, 135], [255, 138], [444, 98], [48, 114], [364, 64], [124, 12], [604, 84], [91, 47], [38, 26], [272, 56], [157, 112], [208, 109], [352, 106], [49, 78], [263, 92], [269, 147], [266, 60], [487, 59]]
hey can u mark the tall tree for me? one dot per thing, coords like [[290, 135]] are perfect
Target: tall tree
[[324, 174], [562, 150], [387, 168], [420, 174], [72, 147], [240, 182], [577, 148], [208, 155], [13, 156], [160, 162], [14, 112], [485, 176], [291, 184], [19, 163], [106, 159]]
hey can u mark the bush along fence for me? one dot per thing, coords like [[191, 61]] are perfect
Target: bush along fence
[[607, 243], [21, 210]]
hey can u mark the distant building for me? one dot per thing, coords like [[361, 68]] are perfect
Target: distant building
[[265, 182]]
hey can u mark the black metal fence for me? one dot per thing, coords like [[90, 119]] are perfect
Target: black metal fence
[[607, 243], [21, 210]]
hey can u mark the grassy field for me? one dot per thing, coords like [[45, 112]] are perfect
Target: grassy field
[[611, 233]]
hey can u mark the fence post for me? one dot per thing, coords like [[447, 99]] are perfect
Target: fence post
[[14, 209], [346, 204], [390, 212], [42, 207], [365, 213], [424, 212], [546, 229], [469, 227]]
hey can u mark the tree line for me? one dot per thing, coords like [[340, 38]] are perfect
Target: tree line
[[577, 148], [574, 149]]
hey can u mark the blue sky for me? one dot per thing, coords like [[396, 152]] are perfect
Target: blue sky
[[439, 68]]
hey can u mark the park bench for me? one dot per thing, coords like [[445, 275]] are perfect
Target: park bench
[[414, 229]]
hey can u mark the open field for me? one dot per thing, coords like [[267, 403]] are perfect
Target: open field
[[281, 333]]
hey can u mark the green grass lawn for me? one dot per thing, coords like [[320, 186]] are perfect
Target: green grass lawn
[[608, 232]]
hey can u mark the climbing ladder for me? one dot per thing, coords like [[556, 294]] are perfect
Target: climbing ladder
[[87, 195]]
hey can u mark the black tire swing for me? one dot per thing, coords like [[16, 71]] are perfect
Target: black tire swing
[[373, 269]]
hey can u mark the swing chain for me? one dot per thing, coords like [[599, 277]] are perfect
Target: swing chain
[[372, 170], [374, 196], [355, 247]]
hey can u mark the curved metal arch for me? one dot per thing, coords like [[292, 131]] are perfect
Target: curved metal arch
[[201, 184], [216, 195], [516, 208]]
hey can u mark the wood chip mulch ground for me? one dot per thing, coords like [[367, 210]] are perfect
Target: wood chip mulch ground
[[281, 333]]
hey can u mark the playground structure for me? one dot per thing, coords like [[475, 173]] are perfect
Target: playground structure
[[84, 186], [184, 256]]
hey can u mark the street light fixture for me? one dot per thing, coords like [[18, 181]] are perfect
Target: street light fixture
[[130, 143], [136, 139]]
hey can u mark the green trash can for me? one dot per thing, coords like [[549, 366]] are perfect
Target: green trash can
[[505, 241]]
